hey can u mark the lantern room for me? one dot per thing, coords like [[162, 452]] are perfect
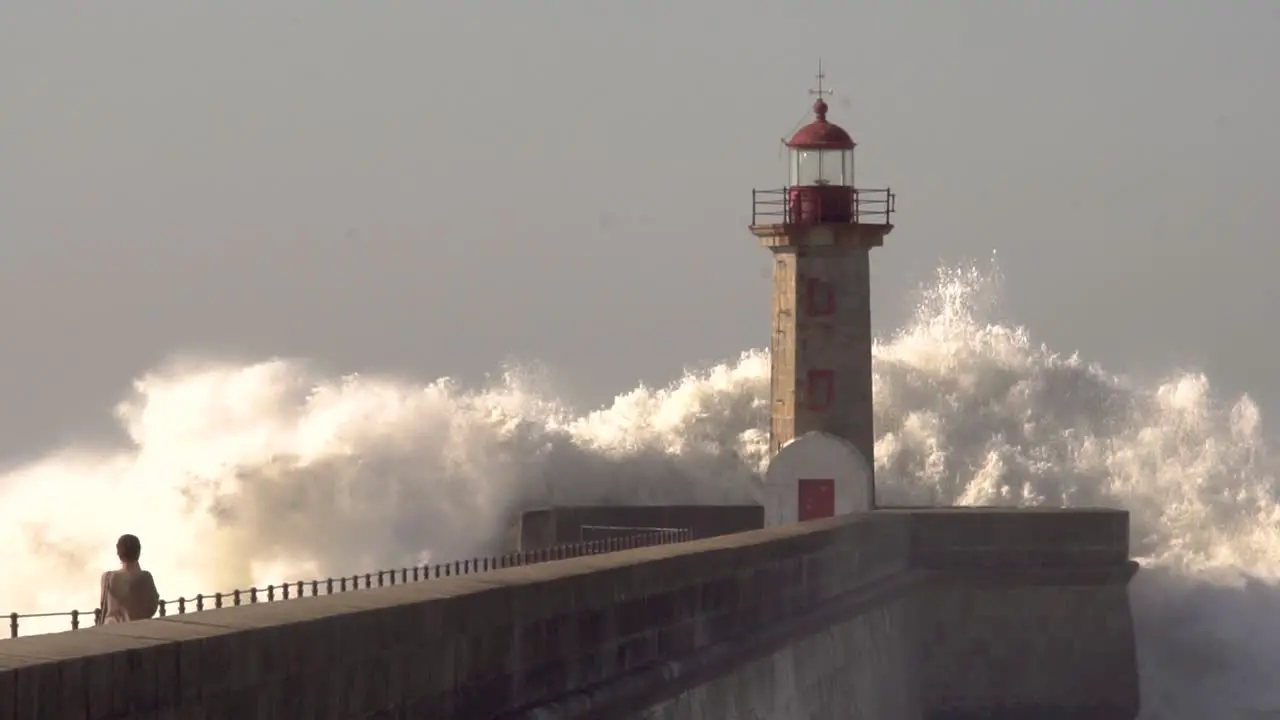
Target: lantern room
[[821, 158], [820, 189], [821, 152]]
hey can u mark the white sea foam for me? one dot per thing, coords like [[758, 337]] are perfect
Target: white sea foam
[[249, 474]]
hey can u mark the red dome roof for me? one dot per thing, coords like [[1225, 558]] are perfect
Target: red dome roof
[[820, 134]]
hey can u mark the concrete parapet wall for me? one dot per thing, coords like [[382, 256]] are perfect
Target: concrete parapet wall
[[545, 527], [966, 538], [891, 603]]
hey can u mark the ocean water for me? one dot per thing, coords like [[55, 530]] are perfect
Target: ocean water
[[253, 474]]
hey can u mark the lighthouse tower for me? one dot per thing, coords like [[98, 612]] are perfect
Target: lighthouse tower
[[821, 228]]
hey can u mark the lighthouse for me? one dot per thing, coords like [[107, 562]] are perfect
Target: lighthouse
[[821, 228]]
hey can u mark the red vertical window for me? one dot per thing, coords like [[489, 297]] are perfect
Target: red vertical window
[[820, 297], [821, 389], [817, 499]]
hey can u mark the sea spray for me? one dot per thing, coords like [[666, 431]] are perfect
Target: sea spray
[[253, 474]]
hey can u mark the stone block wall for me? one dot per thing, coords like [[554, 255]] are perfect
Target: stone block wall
[[857, 669], [998, 614], [654, 632], [1028, 616]]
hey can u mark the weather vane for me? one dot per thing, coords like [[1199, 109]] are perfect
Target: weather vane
[[821, 76]]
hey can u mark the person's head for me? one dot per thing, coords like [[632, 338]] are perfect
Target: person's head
[[129, 548]]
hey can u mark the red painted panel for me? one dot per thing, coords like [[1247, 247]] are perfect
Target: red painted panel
[[821, 389], [817, 499], [821, 204], [821, 297]]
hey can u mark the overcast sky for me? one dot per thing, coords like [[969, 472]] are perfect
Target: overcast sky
[[431, 188]]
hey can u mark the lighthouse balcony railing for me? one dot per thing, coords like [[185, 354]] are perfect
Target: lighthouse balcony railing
[[824, 204]]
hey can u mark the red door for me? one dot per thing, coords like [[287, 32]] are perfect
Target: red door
[[817, 499]]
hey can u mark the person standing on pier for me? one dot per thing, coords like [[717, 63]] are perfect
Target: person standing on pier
[[130, 592]]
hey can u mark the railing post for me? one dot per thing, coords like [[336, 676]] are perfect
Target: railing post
[[75, 619]]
